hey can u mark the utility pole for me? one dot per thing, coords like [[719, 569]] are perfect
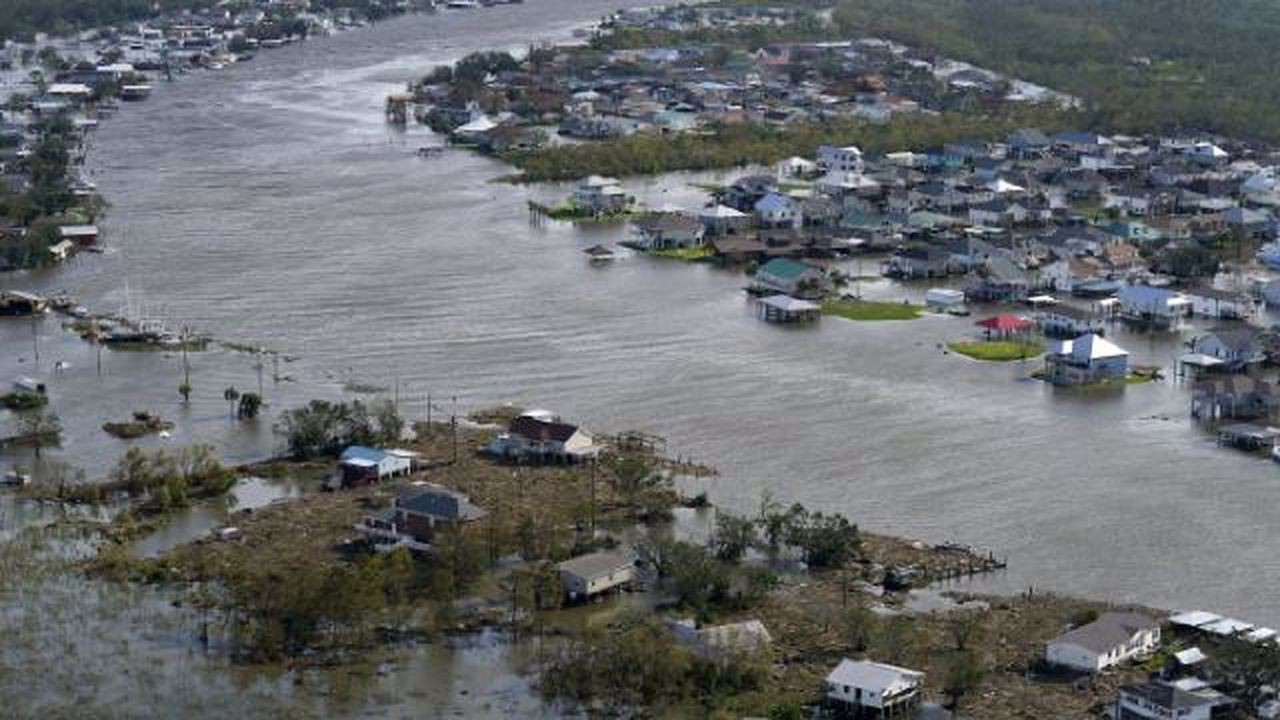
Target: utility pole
[[428, 411], [593, 499], [453, 421], [35, 336], [259, 367]]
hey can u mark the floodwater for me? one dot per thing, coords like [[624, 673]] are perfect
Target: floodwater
[[269, 204]]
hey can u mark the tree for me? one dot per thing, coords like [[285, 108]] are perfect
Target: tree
[[964, 675], [185, 391], [859, 625], [40, 429], [1252, 667], [231, 395], [250, 404], [390, 424], [733, 536], [965, 629]]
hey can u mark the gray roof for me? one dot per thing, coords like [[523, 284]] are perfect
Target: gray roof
[[1166, 696], [439, 502], [595, 564], [1109, 631]]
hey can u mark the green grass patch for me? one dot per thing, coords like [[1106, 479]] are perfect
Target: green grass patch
[[997, 350], [20, 400], [569, 211], [699, 253], [870, 310]]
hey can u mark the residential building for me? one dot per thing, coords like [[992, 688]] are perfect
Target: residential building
[[855, 687], [847, 159], [1086, 360], [1160, 701], [538, 436], [1159, 307], [361, 465], [1067, 321], [601, 195], [669, 230], [1113, 638], [790, 277], [777, 210], [589, 575], [1236, 346], [1220, 304], [416, 516]]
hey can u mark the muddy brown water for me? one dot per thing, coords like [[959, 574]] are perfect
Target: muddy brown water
[[269, 204]]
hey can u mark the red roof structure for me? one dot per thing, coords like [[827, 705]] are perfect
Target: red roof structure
[[1005, 324]]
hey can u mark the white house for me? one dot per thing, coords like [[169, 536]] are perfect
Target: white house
[[595, 573], [1086, 360], [538, 436], [1062, 320], [1221, 304], [1113, 638], [778, 210], [858, 684], [796, 167], [663, 231], [1158, 306], [361, 465], [598, 194], [1237, 346], [840, 159], [1160, 701]]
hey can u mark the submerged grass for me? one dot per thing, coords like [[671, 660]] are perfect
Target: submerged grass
[[864, 310], [998, 350]]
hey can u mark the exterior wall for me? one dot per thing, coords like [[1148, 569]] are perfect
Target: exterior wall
[[1073, 656], [1130, 707], [586, 587], [853, 696]]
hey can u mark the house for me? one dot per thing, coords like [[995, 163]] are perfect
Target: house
[[944, 299], [918, 261], [1067, 321], [1161, 701], [538, 436], [855, 687], [1000, 279], [1238, 397], [777, 210], [791, 277], [589, 575], [847, 159], [745, 192], [665, 231], [16, 302], [1220, 304], [1113, 638], [364, 465], [724, 220], [79, 234], [1159, 307], [416, 516], [741, 638], [1086, 360], [601, 195], [1237, 347]]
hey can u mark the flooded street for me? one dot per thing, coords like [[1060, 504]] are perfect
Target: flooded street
[[269, 204]]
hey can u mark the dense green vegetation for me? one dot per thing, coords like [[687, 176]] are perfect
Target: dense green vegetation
[[21, 18], [325, 428], [22, 400], [1142, 65], [742, 144]]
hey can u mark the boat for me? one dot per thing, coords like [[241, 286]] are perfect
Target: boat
[[134, 93], [13, 478], [429, 151], [599, 254], [462, 4]]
